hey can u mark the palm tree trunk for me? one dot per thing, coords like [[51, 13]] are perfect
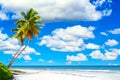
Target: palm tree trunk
[[18, 55], [14, 57]]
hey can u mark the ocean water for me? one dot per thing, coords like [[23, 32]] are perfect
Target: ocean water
[[115, 68], [88, 72]]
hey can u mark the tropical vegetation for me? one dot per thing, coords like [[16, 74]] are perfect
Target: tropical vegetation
[[26, 29], [5, 73]]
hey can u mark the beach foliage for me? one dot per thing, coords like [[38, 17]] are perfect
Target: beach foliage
[[5, 73]]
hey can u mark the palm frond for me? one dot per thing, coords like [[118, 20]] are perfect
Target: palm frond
[[35, 30], [39, 23], [29, 35], [27, 27], [36, 18], [23, 14], [19, 23], [33, 13], [15, 30]]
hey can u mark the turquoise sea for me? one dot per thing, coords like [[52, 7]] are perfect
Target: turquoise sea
[[71, 67]]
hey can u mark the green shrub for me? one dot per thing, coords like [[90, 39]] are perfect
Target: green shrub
[[5, 73]]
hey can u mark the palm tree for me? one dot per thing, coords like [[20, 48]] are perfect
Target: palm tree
[[27, 28]]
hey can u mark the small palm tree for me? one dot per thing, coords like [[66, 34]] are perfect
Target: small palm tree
[[27, 28]]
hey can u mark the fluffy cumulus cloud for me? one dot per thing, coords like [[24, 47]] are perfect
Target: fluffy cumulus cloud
[[101, 2], [103, 33], [92, 46], [3, 36], [96, 55], [78, 57], [108, 55], [104, 5], [10, 46], [115, 31], [27, 57], [117, 51], [68, 63], [41, 60], [51, 62], [111, 42], [57, 9], [68, 40], [3, 16]]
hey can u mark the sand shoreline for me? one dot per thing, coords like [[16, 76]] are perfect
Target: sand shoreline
[[66, 75]]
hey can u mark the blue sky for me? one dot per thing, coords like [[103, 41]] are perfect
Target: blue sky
[[76, 32]]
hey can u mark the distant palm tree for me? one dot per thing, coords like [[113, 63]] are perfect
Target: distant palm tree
[[27, 28]]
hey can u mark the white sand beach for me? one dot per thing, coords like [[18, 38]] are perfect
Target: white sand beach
[[68, 75]]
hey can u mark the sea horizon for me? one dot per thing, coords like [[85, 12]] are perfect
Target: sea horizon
[[81, 67], [69, 72]]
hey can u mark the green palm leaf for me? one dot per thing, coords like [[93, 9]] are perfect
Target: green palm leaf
[[28, 26]]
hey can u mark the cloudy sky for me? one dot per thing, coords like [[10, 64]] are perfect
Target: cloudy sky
[[76, 32]]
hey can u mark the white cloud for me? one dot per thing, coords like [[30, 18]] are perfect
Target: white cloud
[[98, 2], [110, 64], [108, 55], [78, 57], [41, 60], [96, 54], [111, 42], [92, 46], [27, 57], [65, 10], [109, 1], [30, 50], [103, 33], [3, 36], [106, 4], [51, 62], [10, 46], [115, 31], [117, 51], [75, 31], [3, 16], [107, 12], [36, 53], [68, 63], [69, 39]]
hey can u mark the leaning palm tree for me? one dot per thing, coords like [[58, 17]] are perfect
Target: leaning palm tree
[[27, 28]]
